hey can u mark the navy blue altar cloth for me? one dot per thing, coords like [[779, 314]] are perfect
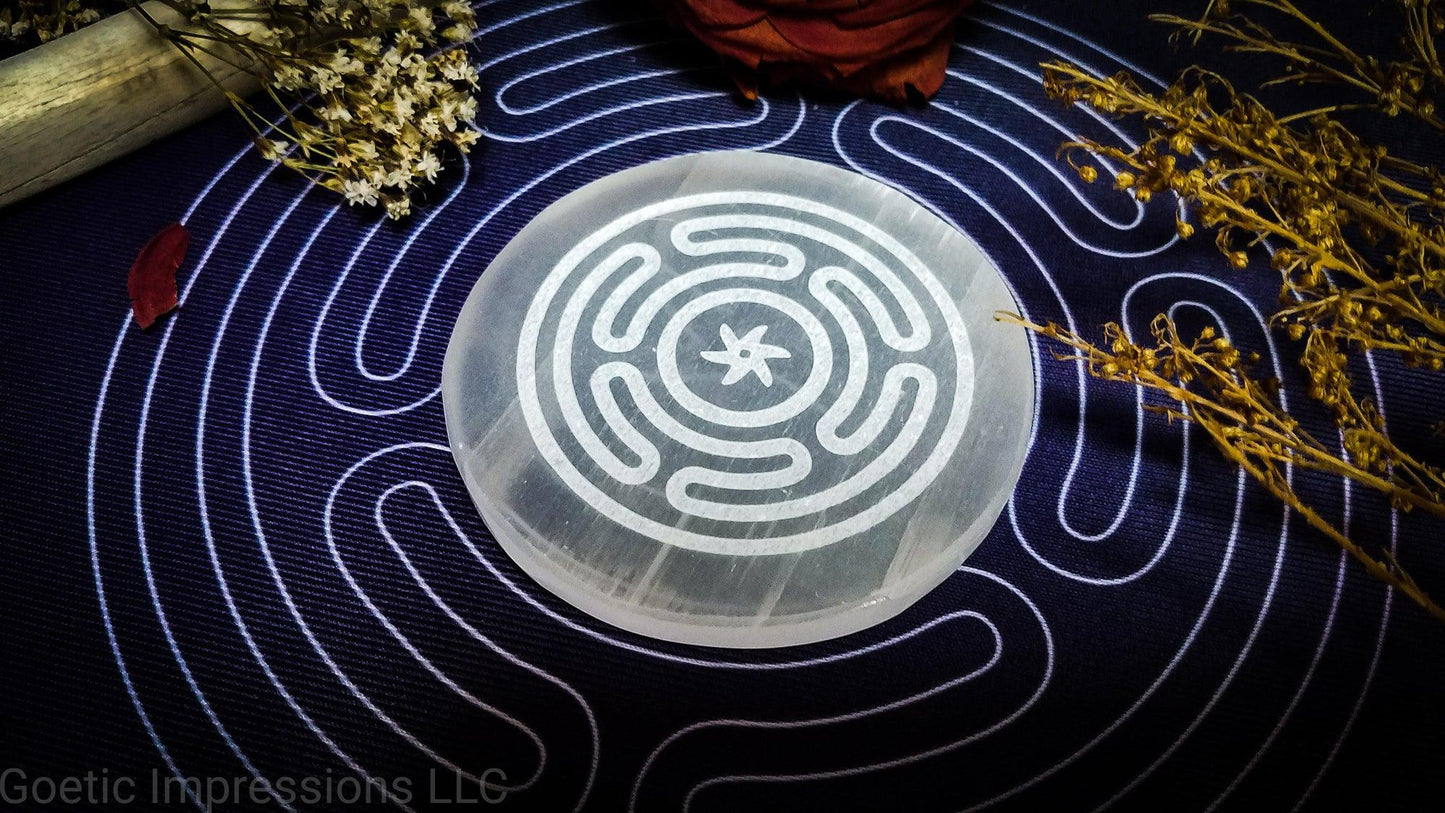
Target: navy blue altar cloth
[[236, 547]]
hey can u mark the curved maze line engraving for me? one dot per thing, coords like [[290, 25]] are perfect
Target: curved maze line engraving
[[582, 277]]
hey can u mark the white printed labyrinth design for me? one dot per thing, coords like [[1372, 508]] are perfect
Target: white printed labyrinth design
[[744, 373]]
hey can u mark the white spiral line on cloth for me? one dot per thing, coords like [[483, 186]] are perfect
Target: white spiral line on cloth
[[1049, 163], [1274, 577], [255, 516], [139, 514], [138, 467], [519, 590], [210, 541], [1181, 490], [764, 108], [1023, 185], [1268, 600], [1379, 400], [216, 567], [498, 95], [1374, 662], [161, 748], [110, 635], [271, 566], [1218, 584], [287, 599], [479, 637], [1052, 168], [142, 425], [501, 92], [878, 709]]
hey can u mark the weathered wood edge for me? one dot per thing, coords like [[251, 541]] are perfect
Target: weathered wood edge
[[96, 94]]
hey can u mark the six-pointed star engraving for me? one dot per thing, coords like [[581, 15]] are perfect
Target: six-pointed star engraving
[[746, 355]]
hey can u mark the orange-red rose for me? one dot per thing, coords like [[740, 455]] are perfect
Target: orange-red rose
[[891, 49]]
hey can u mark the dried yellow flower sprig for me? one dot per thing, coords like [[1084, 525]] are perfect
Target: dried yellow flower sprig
[[1319, 191], [1356, 234], [366, 101], [1410, 85], [1211, 381]]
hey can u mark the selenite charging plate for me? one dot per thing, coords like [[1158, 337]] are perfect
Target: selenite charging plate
[[738, 399]]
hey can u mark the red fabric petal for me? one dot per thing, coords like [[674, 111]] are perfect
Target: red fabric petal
[[723, 13], [890, 49], [833, 38], [922, 70], [152, 281]]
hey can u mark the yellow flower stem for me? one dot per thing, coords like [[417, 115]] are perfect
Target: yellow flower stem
[[1393, 576], [1320, 111], [1268, 445], [1252, 44]]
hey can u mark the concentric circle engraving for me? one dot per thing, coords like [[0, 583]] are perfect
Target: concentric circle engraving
[[791, 464], [736, 399]]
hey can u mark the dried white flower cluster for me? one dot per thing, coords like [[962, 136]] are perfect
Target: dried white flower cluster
[[369, 101], [32, 21]]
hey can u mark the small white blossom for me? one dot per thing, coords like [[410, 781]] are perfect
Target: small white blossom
[[406, 42], [360, 191], [467, 110], [397, 208], [335, 111], [325, 80], [364, 150], [464, 139], [459, 71], [401, 103], [346, 65], [375, 108], [271, 149], [421, 18], [457, 10], [288, 77], [428, 166]]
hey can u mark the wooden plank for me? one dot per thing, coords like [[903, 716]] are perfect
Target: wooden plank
[[95, 94]]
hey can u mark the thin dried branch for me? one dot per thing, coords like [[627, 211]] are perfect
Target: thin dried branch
[[1210, 379], [1356, 235]]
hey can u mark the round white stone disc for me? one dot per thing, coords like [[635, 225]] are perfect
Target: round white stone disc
[[738, 399]]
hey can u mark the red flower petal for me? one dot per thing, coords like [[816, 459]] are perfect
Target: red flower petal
[[724, 13], [889, 49], [152, 281], [834, 39]]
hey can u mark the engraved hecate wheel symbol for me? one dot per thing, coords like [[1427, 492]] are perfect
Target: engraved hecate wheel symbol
[[744, 372], [729, 399]]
